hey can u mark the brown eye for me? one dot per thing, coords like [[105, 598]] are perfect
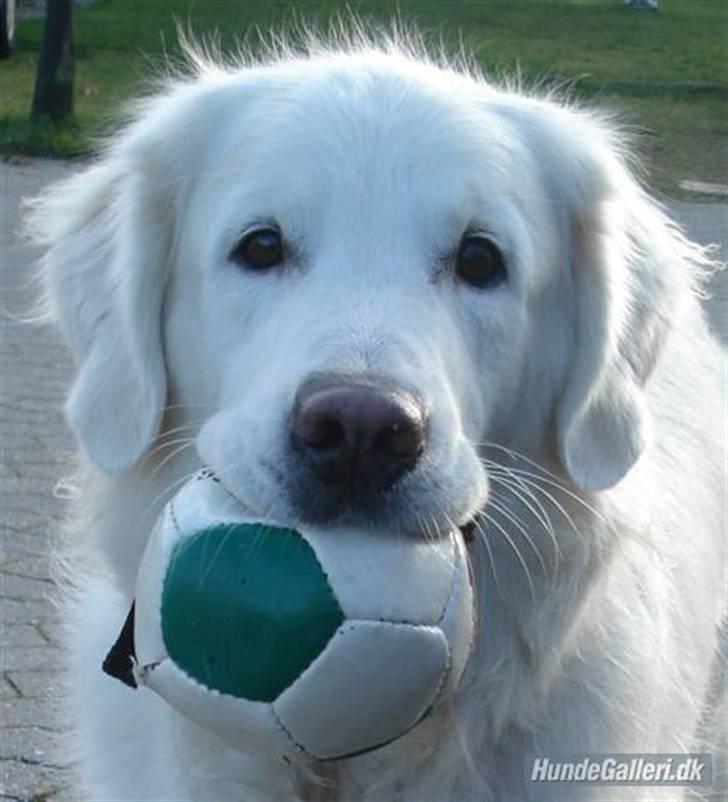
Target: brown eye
[[260, 249], [480, 262]]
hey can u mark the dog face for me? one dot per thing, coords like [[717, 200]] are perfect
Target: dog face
[[349, 272], [368, 302]]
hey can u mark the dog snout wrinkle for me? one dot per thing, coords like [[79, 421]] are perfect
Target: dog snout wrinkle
[[355, 435]]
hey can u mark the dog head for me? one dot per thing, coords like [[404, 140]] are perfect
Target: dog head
[[348, 271]]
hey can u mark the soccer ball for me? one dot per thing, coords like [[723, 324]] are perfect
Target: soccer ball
[[298, 643]]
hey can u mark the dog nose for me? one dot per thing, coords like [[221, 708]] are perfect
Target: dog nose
[[355, 434]]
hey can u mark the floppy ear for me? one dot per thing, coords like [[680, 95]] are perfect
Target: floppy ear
[[630, 269], [109, 235], [107, 239]]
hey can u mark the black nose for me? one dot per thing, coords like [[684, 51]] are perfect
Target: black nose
[[357, 435]]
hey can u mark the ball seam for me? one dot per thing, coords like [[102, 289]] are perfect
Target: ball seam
[[451, 591], [448, 662], [215, 692], [173, 517], [288, 734]]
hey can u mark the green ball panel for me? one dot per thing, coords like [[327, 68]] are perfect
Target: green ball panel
[[246, 608]]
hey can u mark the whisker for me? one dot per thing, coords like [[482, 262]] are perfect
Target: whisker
[[548, 478], [518, 455], [515, 550], [515, 484], [520, 489], [169, 407], [491, 559], [172, 486], [186, 443], [162, 446], [432, 532], [506, 513], [190, 425], [533, 481]]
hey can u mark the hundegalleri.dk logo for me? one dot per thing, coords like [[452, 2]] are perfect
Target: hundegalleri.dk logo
[[622, 769]]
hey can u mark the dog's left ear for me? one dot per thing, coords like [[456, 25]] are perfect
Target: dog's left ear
[[109, 235], [107, 239], [630, 269]]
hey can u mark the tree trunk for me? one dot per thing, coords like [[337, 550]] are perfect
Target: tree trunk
[[53, 94]]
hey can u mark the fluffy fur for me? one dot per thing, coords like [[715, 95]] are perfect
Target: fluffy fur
[[574, 409]]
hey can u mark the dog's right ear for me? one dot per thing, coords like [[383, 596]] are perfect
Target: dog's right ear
[[107, 240]]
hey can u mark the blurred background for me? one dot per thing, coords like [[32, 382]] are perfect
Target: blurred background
[[662, 64]]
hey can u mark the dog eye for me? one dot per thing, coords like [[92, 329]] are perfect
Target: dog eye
[[260, 249], [480, 262]]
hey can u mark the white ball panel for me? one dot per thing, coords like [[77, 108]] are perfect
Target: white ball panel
[[204, 502], [247, 726], [372, 683], [148, 641], [384, 575], [458, 620]]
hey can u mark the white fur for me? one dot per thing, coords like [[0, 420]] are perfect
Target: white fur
[[578, 404]]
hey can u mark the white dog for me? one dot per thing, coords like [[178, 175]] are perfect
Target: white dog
[[363, 286]]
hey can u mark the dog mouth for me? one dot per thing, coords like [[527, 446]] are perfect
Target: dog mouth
[[467, 530]]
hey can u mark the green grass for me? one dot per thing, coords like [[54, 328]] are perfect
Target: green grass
[[667, 72]]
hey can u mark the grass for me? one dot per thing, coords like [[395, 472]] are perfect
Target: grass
[[667, 72]]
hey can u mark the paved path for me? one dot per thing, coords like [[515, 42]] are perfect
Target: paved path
[[34, 449], [34, 452]]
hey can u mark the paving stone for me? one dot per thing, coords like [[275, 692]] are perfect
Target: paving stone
[[30, 743], [28, 713], [35, 684], [23, 658], [33, 566], [25, 611], [23, 635], [16, 777], [7, 691], [50, 630], [17, 587]]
